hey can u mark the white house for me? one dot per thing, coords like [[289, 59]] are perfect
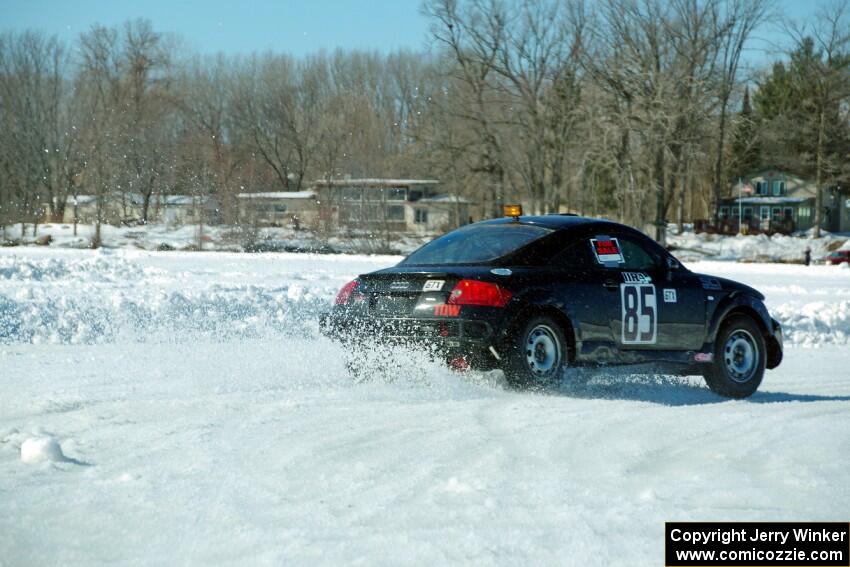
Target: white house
[[118, 208]]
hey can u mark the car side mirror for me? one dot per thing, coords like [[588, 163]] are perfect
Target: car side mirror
[[673, 264]]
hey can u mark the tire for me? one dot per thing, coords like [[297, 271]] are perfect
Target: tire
[[740, 354], [537, 354]]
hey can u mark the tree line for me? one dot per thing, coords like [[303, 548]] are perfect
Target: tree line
[[640, 110]]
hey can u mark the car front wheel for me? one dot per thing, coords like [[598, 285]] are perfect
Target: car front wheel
[[537, 354], [739, 358]]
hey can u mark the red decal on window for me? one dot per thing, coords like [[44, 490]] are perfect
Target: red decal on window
[[605, 247]]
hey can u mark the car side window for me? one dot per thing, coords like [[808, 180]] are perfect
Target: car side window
[[575, 256], [635, 256]]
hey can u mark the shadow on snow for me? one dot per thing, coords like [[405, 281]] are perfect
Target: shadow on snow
[[664, 390]]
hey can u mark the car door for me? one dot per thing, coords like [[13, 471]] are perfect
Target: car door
[[627, 291], [681, 307], [577, 287], [661, 305]]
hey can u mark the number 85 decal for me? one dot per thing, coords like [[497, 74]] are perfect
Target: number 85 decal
[[639, 313]]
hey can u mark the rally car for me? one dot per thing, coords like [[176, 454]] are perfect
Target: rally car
[[536, 295]]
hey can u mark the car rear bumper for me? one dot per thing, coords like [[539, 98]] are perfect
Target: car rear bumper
[[449, 333]]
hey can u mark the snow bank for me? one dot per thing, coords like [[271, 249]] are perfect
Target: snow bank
[[161, 236], [92, 300], [38, 316], [815, 323], [690, 246], [102, 267]]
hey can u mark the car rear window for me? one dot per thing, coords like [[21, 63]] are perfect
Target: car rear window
[[477, 243]]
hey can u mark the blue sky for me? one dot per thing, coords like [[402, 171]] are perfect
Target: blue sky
[[293, 26]]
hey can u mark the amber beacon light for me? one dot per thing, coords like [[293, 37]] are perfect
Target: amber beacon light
[[512, 210]]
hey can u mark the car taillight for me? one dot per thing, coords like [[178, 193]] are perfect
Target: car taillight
[[474, 292], [344, 295]]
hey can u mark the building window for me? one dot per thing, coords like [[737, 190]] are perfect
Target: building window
[[351, 194], [395, 213], [789, 213], [271, 209], [778, 188], [723, 213], [748, 213], [371, 213], [761, 187], [350, 213], [764, 213], [776, 215], [396, 194], [804, 212], [420, 216]]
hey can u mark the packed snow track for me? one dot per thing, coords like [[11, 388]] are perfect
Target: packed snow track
[[181, 408]]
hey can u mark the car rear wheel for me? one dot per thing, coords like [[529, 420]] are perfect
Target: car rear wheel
[[537, 354], [739, 358]]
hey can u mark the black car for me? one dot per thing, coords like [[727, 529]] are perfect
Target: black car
[[535, 295]]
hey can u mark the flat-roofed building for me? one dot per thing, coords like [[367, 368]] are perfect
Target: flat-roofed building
[[298, 209], [391, 205]]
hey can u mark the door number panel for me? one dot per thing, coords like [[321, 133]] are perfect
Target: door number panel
[[639, 314]]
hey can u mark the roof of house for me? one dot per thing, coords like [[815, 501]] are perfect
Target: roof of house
[[444, 199], [278, 195], [376, 181], [131, 198], [138, 199], [184, 200], [784, 172], [772, 200]]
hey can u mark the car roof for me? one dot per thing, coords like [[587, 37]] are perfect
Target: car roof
[[553, 221]]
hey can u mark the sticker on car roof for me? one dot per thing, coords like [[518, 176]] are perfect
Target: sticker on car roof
[[607, 250]]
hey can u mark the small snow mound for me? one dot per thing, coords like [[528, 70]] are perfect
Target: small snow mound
[[647, 495], [456, 486], [40, 449]]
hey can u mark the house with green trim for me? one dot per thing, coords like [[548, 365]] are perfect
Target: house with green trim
[[773, 200]]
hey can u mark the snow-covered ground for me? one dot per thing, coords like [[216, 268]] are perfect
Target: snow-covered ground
[[162, 408]]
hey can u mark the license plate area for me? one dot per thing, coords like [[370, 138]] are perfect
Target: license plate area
[[392, 305]]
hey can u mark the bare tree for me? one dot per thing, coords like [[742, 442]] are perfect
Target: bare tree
[[826, 77], [473, 36], [735, 22], [38, 135]]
